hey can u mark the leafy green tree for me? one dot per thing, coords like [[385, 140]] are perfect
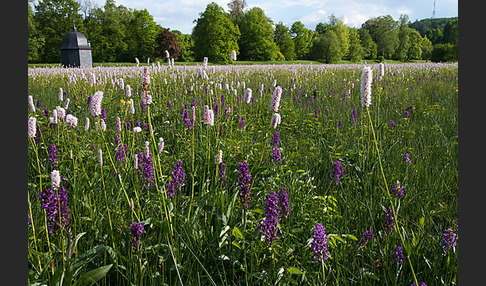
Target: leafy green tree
[[444, 53], [450, 32], [369, 45], [54, 19], [256, 41], [187, 45], [215, 36], [302, 38], [425, 25], [35, 40], [435, 36], [384, 31], [415, 49], [401, 52], [167, 41], [426, 48], [106, 30], [236, 12], [142, 34], [326, 47], [284, 41], [356, 50], [342, 32]]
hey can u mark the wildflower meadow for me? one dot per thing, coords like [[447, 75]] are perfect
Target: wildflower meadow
[[297, 174]]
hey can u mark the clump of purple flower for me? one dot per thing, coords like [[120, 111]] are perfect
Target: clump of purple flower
[[241, 122], [406, 158], [392, 124], [283, 203], [389, 220], [147, 169], [269, 227], [275, 139], [397, 189], [185, 117], [355, 116], [244, 183], [420, 284], [53, 155], [319, 243], [136, 230], [177, 179], [448, 240], [398, 255], [122, 151], [365, 238], [276, 155], [55, 203], [336, 171]]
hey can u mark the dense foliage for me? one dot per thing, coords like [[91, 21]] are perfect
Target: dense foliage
[[119, 34], [243, 175]]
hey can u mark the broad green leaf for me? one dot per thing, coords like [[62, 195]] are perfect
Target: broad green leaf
[[422, 221], [90, 277], [293, 270], [237, 233]]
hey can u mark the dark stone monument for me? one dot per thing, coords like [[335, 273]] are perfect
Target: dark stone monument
[[76, 50]]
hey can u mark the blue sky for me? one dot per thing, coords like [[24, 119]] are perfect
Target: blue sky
[[180, 14]]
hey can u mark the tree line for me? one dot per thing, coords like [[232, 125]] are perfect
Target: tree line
[[121, 34]]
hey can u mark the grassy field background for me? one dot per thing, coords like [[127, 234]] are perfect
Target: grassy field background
[[204, 235]]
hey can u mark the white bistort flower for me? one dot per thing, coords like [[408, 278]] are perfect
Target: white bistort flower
[[71, 120], [55, 179], [128, 90], [208, 116], [381, 71], [31, 103], [219, 157], [274, 103], [161, 145], [100, 157], [248, 95], [276, 119], [96, 103], [32, 129], [366, 79]]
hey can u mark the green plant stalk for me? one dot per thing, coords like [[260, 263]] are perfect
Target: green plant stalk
[[389, 197], [107, 209], [60, 225], [164, 193], [114, 169], [323, 272], [30, 205], [192, 165]]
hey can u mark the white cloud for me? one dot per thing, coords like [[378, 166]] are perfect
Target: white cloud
[[311, 20]]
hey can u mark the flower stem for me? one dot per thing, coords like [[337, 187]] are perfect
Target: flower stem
[[389, 196]]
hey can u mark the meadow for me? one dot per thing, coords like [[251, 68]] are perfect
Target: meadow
[[157, 175]]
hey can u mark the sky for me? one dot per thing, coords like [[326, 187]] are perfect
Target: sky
[[180, 14]]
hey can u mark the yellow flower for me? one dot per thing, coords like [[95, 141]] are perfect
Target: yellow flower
[[129, 102], [122, 101]]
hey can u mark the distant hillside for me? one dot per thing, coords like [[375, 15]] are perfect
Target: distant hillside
[[422, 26]]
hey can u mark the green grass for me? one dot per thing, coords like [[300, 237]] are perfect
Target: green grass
[[164, 63], [203, 236]]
